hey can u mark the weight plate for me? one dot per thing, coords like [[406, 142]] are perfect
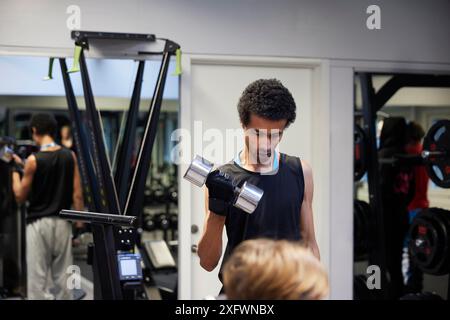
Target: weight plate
[[438, 140], [429, 244]]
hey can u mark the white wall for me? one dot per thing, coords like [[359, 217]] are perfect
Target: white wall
[[23, 76], [411, 30]]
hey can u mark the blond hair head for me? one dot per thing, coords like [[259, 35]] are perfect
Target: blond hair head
[[272, 270]]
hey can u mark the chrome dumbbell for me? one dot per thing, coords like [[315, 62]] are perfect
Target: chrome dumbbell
[[6, 154], [246, 197]]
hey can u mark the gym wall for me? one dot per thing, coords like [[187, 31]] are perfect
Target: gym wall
[[411, 30]]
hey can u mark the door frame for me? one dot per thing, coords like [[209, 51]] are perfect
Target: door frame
[[341, 108], [320, 104]]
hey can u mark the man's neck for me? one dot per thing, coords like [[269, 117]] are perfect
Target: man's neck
[[46, 140], [252, 165]]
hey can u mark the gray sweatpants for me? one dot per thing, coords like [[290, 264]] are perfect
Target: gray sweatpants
[[49, 254]]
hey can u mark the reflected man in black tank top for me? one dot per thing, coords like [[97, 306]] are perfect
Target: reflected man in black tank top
[[50, 183], [266, 108]]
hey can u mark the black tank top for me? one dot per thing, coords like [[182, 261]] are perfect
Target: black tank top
[[278, 213], [52, 186]]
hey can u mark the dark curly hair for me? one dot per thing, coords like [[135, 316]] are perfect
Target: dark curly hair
[[267, 98], [415, 131], [44, 123]]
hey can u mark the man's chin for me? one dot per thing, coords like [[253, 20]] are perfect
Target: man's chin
[[265, 158]]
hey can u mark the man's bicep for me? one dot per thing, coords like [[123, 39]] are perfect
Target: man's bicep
[[306, 220], [206, 201], [309, 183], [306, 213]]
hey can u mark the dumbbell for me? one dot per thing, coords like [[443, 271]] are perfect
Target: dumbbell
[[6, 154], [162, 221], [149, 223], [173, 195], [245, 198]]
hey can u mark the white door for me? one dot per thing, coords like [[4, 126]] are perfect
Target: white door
[[210, 89]]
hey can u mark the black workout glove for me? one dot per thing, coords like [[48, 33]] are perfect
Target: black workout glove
[[16, 166], [221, 192]]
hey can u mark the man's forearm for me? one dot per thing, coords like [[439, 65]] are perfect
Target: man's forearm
[[210, 244], [78, 203], [209, 252], [17, 187], [312, 245]]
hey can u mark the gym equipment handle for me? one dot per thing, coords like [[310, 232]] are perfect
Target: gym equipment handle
[[99, 218]]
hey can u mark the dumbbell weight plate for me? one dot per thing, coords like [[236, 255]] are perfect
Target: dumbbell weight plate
[[162, 221], [149, 223], [248, 197], [6, 154], [198, 171]]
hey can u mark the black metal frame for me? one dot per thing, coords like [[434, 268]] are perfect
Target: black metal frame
[[86, 167], [372, 103], [123, 165], [100, 159], [104, 249], [135, 195], [82, 37], [95, 167], [377, 254], [399, 81]]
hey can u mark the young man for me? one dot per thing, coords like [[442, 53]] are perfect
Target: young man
[[51, 182], [266, 108]]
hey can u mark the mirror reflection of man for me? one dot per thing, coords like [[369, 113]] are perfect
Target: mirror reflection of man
[[266, 108], [66, 136], [50, 182]]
